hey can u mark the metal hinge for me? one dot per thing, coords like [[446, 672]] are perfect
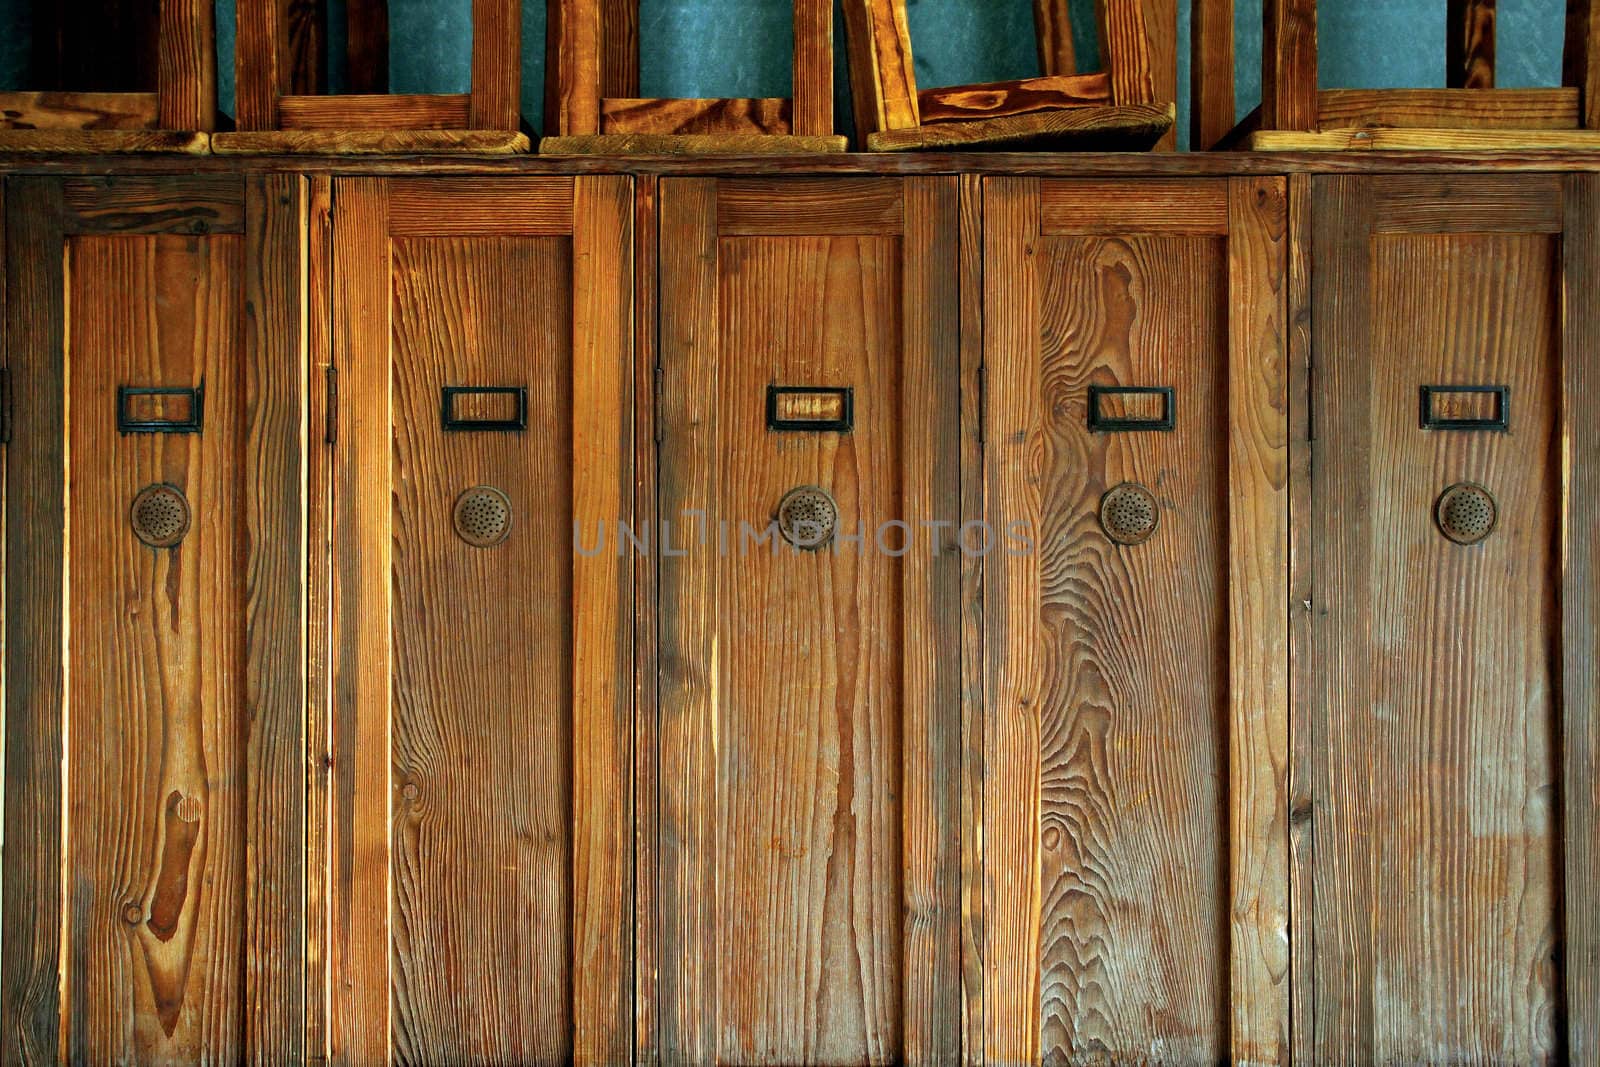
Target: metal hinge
[[983, 403], [655, 412], [5, 405], [330, 414]]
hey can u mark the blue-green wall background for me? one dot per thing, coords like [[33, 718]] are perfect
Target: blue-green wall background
[[741, 47]]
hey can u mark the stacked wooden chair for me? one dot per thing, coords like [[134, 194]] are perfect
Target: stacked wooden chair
[[276, 115], [1112, 109], [170, 46], [1470, 113], [592, 104]]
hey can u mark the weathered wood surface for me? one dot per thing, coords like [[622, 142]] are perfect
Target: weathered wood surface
[[1128, 127], [186, 80], [496, 96], [1470, 41], [883, 85], [719, 144], [77, 111], [812, 77], [375, 111], [1211, 73], [1517, 109], [65, 142], [1289, 65], [1424, 140], [685, 116], [1434, 771], [1052, 24], [959, 102], [367, 142]]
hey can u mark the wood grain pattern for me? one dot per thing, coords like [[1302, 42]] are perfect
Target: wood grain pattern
[[369, 142], [1470, 40], [32, 900], [1517, 109], [572, 68], [811, 207], [813, 67], [1422, 140], [497, 65], [303, 46], [197, 205], [274, 525], [684, 116], [77, 111], [808, 912], [1580, 685], [1052, 24], [375, 112], [1127, 55], [619, 49], [961, 102], [1258, 645], [718, 144], [1289, 65], [1131, 127], [187, 72], [51, 142], [883, 83], [1211, 73], [470, 207], [259, 34], [156, 688], [1161, 30], [1424, 204], [1580, 67], [1437, 921], [1086, 207]]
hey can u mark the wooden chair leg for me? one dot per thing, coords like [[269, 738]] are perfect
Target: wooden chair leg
[[257, 39], [882, 82], [572, 68], [1211, 74], [188, 66], [1470, 47], [619, 49], [1289, 66], [496, 65], [1052, 20], [1125, 51], [811, 111], [1582, 64]]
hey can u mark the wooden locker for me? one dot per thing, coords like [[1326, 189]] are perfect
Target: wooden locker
[[479, 880], [1134, 881], [154, 631], [808, 756], [1453, 703]]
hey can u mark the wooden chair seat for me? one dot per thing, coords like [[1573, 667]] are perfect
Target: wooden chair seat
[[1112, 109]]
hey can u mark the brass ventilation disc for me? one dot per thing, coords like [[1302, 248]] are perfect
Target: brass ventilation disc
[[1466, 513], [483, 516], [1128, 514], [808, 517], [160, 515]]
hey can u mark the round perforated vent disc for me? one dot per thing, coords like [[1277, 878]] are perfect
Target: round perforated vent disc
[[808, 517], [1466, 513], [1128, 514], [160, 515], [483, 516]]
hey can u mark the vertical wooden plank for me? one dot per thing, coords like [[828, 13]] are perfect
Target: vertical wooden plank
[[1470, 40], [619, 49], [1013, 633], [302, 45], [1580, 569], [883, 83], [1258, 524], [320, 437], [931, 653], [1211, 77], [812, 107], [646, 745], [31, 908], [1161, 27], [689, 606], [367, 46], [1302, 739], [972, 616], [572, 68], [1581, 59], [496, 65], [1125, 51], [358, 947], [1289, 65], [258, 36], [275, 694], [602, 599], [1343, 977], [1052, 24], [188, 65]]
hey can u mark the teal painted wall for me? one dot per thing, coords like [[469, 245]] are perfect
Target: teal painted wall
[[741, 47]]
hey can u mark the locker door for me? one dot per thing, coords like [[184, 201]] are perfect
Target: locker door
[[479, 806], [808, 756], [1454, 639], [1134, 879], [154, 636]]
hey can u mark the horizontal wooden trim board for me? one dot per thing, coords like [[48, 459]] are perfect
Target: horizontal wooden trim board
[[1169, 206], [77, 111], [811, 206], [1420, 140], [699, 144], [368, 142], [56, 142], [958, 103], [375, 111], [1512, 109], [770, 115]]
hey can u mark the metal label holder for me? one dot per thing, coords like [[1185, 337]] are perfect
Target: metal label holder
[[1099, 422], [453, 423]]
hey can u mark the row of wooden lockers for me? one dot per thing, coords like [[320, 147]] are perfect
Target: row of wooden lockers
[[389, 672]]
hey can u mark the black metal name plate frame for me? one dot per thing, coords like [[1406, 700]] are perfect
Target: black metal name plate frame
[[127, 423], [453, 423], [1099, 422], [1499, 422], [783, 401]]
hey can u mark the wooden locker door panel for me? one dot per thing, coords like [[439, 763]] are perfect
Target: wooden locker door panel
[[1439, 853], [1134, 869], [808, 759], [482, 668], [153, 676]]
